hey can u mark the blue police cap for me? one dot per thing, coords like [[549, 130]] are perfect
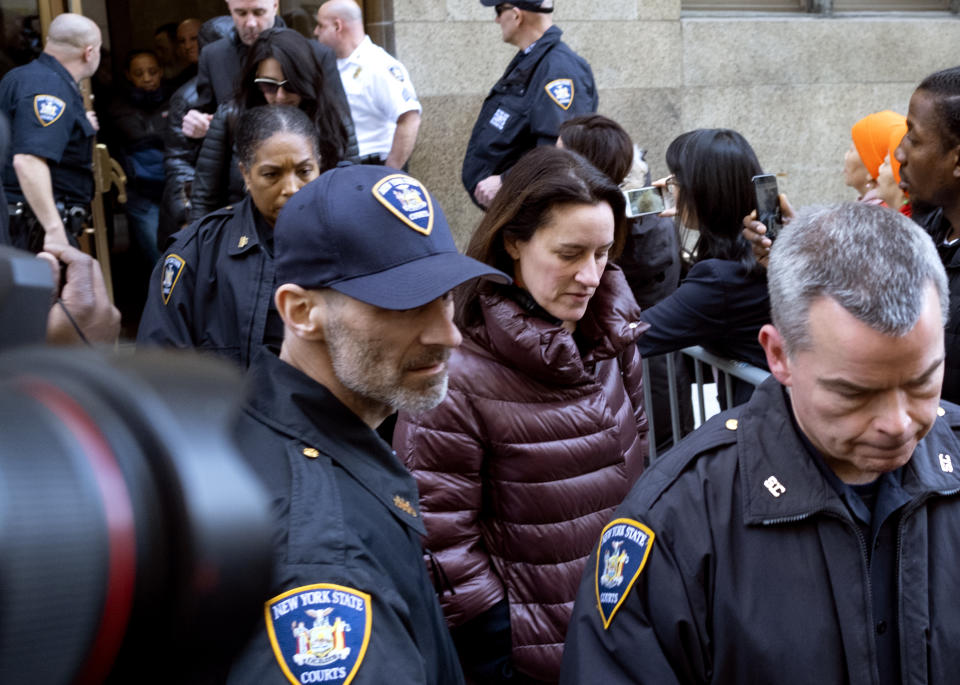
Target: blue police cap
[[374, 234], [544, 6]]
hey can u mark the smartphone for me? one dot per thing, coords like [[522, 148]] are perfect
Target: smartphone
[[768, 203], [643, 201]]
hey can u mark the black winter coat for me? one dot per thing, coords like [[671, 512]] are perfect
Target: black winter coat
[[745, 566], [939, 228], [179, 161]]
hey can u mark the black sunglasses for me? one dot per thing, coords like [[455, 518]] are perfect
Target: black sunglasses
[[269, 86], [503, 7]]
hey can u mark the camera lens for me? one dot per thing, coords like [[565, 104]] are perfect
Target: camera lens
[[134, 544]]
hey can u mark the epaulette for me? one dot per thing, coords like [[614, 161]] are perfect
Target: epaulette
[[719, 431], [950, 413]]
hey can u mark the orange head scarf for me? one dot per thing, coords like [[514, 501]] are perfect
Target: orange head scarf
[[896, 135], [871, 136]]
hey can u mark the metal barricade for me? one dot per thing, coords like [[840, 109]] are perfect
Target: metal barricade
[[700, 356]]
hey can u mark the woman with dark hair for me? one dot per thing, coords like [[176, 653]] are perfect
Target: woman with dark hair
[[138, 115], [213, 289], [281, 68], [723, 302], [543, 430]]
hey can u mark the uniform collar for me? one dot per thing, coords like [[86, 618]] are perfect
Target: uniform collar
[[289, 401], [781, 482], [54, 64], [355, 56], [242, 233]]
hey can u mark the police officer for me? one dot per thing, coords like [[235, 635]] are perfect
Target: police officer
[[48, 177], [809, 536], [545, 84], [213, 288], [366, 262]]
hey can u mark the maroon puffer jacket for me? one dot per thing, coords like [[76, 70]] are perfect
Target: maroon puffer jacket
[[523, 463]]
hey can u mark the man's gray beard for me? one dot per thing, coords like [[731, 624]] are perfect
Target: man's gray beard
[[355, 363]]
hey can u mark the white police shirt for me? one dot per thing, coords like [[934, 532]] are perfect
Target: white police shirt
[[379, 91]]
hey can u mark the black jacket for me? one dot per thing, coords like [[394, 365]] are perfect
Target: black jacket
[[179, 161], [221, 66], [538, 91], [135, 127], [758, 573], [939, 228], [351, 591], [213, 288], [218, 181]]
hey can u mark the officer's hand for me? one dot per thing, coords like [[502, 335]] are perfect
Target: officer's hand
[[84, 295], [195, 124], [92, 118], [487, 189]]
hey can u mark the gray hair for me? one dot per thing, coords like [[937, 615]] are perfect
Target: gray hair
[[874, 262]]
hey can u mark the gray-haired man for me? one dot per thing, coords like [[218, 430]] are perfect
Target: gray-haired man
[[811, 535]]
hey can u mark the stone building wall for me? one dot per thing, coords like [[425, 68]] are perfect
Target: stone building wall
[[792, 84]]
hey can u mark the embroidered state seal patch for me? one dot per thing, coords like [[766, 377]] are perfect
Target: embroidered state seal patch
[[561, 91], [169, 275], [319, 633], [621, 555], [406, 198], [48, 108]]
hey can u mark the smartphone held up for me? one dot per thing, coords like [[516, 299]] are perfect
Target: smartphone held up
[[647, 200], [768, 204]]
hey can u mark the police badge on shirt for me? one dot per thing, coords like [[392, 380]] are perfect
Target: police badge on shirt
[[561, 91], [319, 633], [624, 547], [48, 108]]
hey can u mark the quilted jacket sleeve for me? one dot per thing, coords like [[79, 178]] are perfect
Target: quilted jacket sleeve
[[443, 450], [212, 179]]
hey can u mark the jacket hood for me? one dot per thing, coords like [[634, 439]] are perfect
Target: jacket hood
[[549, 352]]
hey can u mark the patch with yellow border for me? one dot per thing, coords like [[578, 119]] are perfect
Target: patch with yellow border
[[561, 91], [48, 108], [169, 275], [408, 200], [621, 555], [319, 633]]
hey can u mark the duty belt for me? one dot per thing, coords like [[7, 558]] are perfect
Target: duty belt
[[27, 232]]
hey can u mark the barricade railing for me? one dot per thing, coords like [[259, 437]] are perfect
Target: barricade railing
[[730, 368]]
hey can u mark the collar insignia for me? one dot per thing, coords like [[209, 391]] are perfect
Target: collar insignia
[[404, 505], [169, 275], [561, 91], [319, 633], [621, 555], [48, 108], [946, 462], [408, 200], [243, 241]]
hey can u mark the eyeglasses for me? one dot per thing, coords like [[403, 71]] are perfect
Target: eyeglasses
[[269, 86], [503, 7]]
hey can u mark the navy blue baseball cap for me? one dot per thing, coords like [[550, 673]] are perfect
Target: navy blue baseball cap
[[374, 234], [544, 6]]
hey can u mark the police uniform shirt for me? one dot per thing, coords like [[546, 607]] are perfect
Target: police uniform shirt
[[543, 86], [352, 600], [379, 91], [48, 120]]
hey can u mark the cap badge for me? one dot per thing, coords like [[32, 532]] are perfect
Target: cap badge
[[622, 553], [48, 108], [408, 200], [319, 633], [561, 91]]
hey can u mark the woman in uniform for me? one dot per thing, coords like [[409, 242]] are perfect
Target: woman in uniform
[[213, 288]]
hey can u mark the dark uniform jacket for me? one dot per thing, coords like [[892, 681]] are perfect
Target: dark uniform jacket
[[351, 594], [939, 228], [744, 565], [213, 288], [48, 120], [541, 88]]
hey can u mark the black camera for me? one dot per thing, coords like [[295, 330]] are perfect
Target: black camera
[[134, 543]]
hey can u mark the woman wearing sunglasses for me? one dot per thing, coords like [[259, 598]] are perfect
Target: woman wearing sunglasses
[[281, 68]]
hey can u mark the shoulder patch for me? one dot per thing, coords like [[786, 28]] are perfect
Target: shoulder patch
[[319, 633], [500, 119], [408, 200], [169, 275], [48, 108], [621, 555], [397, 73], [561, 91]]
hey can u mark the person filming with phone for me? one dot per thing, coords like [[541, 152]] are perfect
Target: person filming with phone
[[723, 301]]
